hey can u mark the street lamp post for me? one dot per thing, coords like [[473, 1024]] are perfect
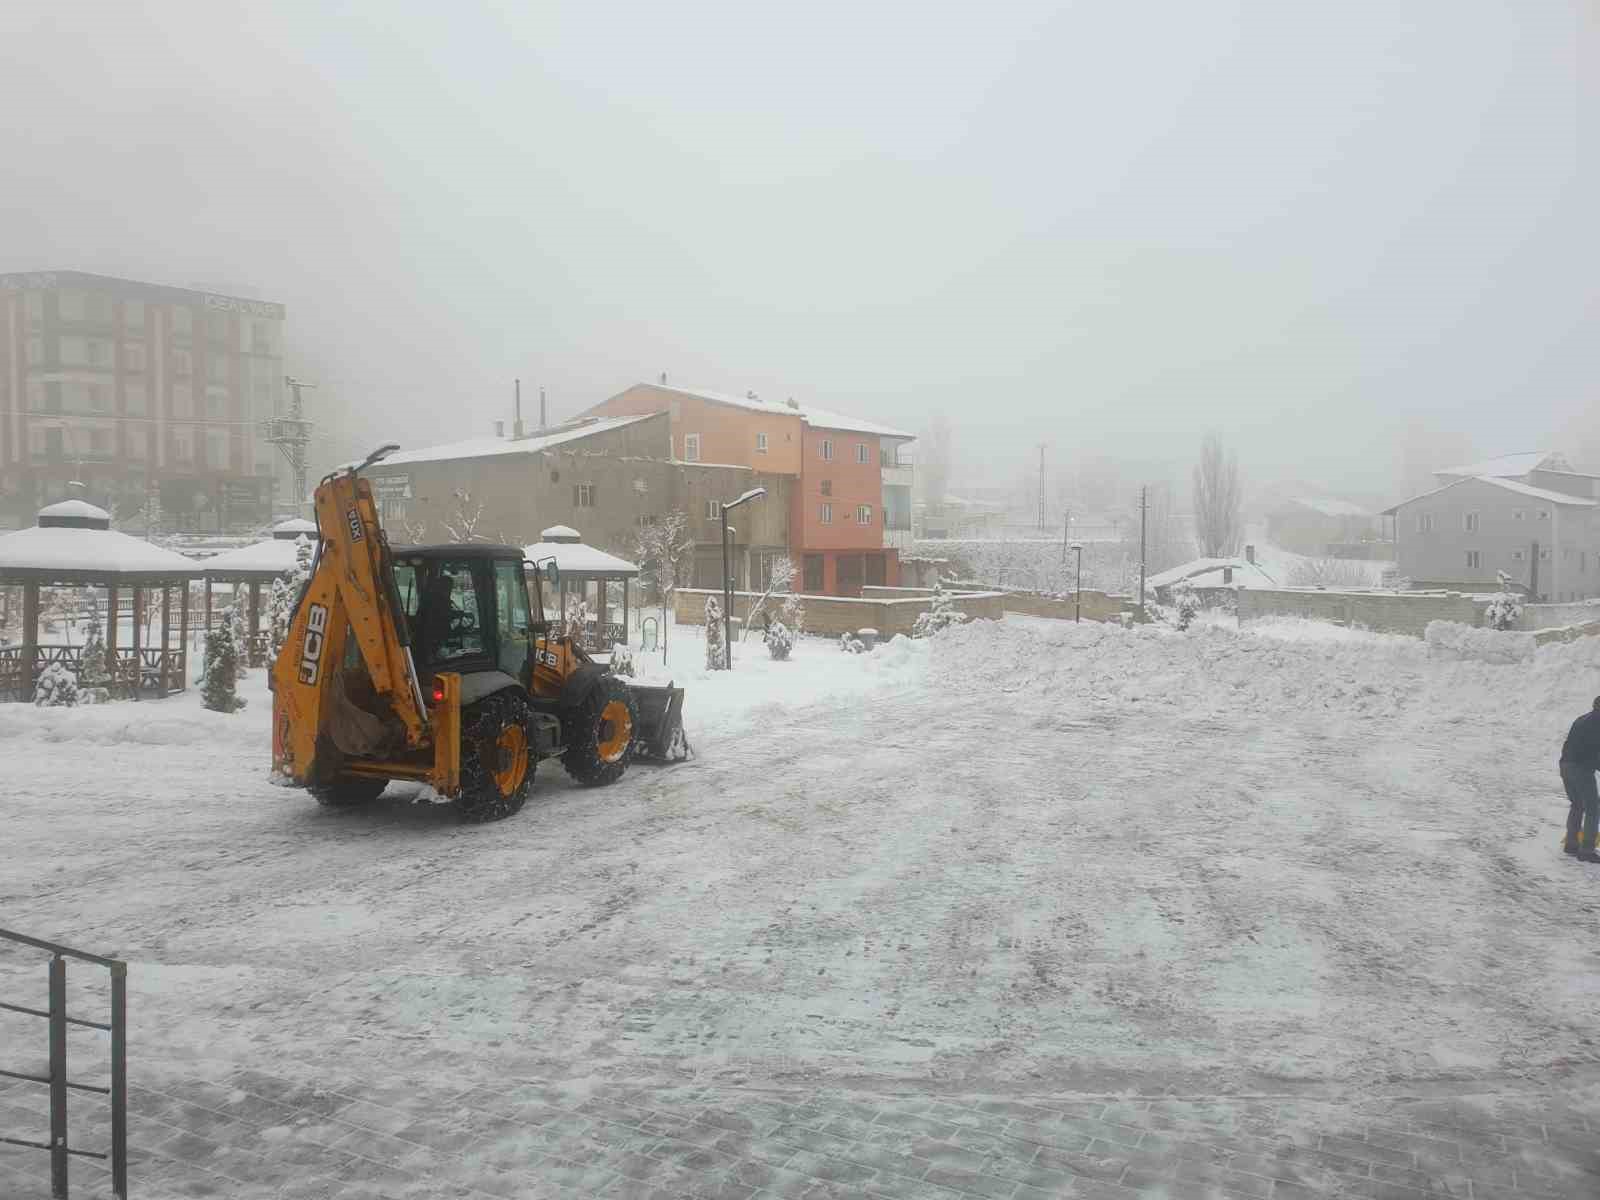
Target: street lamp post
[[727, 576], [1077, 590]]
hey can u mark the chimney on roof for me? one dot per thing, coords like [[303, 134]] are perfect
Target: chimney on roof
[[663, 378], [1250, 555], [1227, 576], [751, 396], [543, 423], [516, 426], [792, 404], [500, 429]]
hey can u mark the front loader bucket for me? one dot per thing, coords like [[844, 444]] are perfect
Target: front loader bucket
[[659, 736]]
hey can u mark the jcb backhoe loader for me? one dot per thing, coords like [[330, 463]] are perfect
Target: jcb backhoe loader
[[436, 664]]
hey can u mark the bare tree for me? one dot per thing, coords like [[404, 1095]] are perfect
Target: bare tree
[[1167, 541], [1216, 500], [780, 582], [462, 525], [663, 545]]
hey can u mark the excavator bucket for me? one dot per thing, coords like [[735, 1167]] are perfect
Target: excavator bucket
[[659, 736]]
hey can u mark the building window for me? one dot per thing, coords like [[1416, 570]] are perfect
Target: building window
[[183, 320], [35, 306], [96, 397], [861, 453], [35, 351], [813, 573], [183, 445], [1469, 522], [1424, 522], [216, 401], [691, 447], [69, 305], [217, 326], [1544, 514], [1518, 555], [713, 511], [583, 495], [827, 487], [864, 514], [100, 443], [216, 450], [761, 443], [1474, 560], [133, 398], [1519, 514], [827, 514], [216, 368], [827, 450], [182, 401], [135, 442], [182, 363], [97, 354], [261, 337], [133, 356], [133, 314], [1544, 554]]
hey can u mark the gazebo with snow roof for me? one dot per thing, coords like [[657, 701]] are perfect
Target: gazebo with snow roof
[[73, 546], [600, 579], [253, 565]]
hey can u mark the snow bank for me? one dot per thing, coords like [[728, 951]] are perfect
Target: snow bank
[[1451, 639]]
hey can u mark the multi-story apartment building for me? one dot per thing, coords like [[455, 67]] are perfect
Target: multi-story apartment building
[[839, 466], [1529, 515], [142, 392]]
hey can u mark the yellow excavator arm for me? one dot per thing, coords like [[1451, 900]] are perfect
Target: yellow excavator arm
[[351, 593]]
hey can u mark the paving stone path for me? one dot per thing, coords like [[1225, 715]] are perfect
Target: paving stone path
[[255, 1134]]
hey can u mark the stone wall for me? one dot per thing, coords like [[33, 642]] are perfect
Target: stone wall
[[833, 615], [1381, 612], [1097, 606]]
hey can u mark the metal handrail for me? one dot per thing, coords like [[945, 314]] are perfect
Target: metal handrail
[[57, 1080]]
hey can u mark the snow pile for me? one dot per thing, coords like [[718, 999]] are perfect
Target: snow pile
[[1451, 639]]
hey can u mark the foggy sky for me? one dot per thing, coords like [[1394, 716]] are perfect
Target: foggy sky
[[1108, 226]]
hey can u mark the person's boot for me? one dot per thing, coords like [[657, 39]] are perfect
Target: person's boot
[[1571, 846], [1586, 849]]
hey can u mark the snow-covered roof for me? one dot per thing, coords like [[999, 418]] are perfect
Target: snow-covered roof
[[1508, 465], [1510, 485], [273, 556], [1329, 506], [575, 558], [561, 533], [80, 551], [295, 527], [820, 417], [484, 447], [1207, 572], [1523, 489], [80, 510]]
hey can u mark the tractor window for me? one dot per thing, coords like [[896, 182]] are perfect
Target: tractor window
[[511, 613], [452, 613]]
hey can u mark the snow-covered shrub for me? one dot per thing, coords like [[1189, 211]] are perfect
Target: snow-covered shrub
[[578, 618], [1185, 606], [1505, 610], [285, 592], [1334, 573], [219, 689], [57, 688], [621, 660], [93, 670], [241, 636], [940, 617], [716, 656], [851, 644], [779, 640], [792, 612]]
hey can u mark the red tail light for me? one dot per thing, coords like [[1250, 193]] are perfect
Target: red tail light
[[438, 692]]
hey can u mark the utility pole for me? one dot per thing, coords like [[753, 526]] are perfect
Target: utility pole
[[1066, 535], [1042, 516], [292, 436], [1144, 504]]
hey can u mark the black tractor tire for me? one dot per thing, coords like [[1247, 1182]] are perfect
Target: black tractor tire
[[599, 748], [348, 791], [497, 758]]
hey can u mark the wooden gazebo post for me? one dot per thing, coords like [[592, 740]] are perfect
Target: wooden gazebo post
[[255, 623], [183, 636], [30, 635], [166, 629], [111, 629], [138, 622]]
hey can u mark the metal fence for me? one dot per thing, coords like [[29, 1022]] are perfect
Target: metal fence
[[59, 1147]]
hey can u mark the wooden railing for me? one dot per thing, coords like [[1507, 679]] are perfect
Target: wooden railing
[[133, 674]]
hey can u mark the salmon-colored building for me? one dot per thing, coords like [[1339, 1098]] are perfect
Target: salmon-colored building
[[837, 512]]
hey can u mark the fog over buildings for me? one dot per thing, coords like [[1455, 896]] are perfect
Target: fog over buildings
[[1330, 231]]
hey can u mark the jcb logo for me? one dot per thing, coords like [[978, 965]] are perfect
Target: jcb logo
[[354, 518], [316, 638], [547, 658]]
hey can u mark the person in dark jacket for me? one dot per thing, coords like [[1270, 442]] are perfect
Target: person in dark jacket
[[1580, 759]]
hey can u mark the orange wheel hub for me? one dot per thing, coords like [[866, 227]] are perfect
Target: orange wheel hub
[[616, 731], [512, 759]]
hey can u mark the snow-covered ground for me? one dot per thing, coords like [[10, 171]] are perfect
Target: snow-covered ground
[[1075, 856]]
